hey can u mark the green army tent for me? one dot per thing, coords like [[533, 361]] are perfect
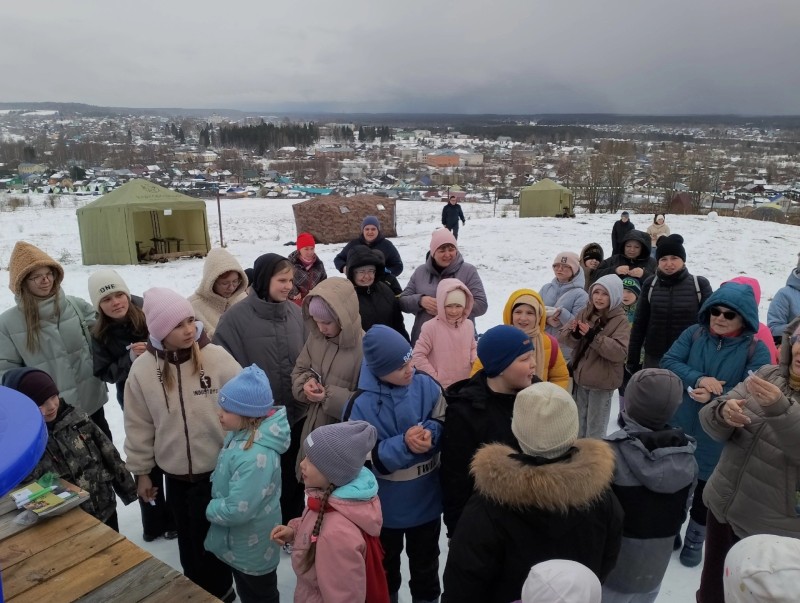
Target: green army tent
[[545, 198], [140, 219]]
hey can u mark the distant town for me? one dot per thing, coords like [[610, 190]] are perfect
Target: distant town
[[678, 165]]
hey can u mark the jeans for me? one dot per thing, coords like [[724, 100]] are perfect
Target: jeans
[[594, 410], [423, 558]]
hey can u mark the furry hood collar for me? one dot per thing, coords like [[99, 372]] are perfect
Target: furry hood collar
[[574, 483]]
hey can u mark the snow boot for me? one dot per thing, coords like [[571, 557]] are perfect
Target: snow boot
[[692, 552]]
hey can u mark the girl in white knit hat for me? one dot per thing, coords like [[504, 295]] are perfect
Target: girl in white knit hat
[[171, 422], [118, 338]]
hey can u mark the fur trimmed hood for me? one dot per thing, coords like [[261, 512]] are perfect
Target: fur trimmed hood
[[573, 483]]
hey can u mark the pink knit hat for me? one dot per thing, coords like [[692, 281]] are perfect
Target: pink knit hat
[[164, 309], [440, 237]]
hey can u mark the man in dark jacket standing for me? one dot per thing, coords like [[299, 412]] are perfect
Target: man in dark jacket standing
[[621, 227], [451, 214], [668, 305]]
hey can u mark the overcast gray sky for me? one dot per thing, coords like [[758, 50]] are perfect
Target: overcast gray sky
[[471, 56]]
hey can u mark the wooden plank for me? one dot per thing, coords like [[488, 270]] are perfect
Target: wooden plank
[[42, 535], [135, 584], [181, 589], [85, 577], [54, 560]]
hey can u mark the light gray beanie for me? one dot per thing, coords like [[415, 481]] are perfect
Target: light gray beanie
[[340, 450], [611, 283]]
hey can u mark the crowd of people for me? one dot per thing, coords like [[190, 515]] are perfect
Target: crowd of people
[[279, 408]]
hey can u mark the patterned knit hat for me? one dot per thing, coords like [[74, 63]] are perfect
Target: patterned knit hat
[[545, 420], [339, 451], [632, 284], [164, 309], [248, 394], [25, 258], [105, 282]]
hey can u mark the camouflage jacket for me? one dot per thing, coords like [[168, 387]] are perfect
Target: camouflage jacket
[[82, 454]]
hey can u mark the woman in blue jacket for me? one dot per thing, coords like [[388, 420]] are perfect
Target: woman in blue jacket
[[712, 357]]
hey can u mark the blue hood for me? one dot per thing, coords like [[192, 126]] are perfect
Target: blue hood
[[737, 297], [794, 279], [364, 487], [273, 432]]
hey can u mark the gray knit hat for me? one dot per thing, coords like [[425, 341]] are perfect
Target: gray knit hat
[[545, 420], [340, 450], [652, 396]]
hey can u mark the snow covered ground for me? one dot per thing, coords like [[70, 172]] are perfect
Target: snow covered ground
[[509, 253]]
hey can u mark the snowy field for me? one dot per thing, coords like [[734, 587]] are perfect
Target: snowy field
[[509, 253]]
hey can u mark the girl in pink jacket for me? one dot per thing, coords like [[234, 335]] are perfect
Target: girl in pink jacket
[[336, 552], [446, 347]]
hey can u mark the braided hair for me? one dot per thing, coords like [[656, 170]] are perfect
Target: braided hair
[[307, 562]]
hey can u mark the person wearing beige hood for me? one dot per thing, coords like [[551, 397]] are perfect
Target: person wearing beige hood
[[326, 372], [224, 283], [49, 330]]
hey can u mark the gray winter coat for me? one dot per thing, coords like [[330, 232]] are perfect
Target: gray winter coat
[[65, 349], [426, 279], [654, 478], [269, 334], [756, 485]]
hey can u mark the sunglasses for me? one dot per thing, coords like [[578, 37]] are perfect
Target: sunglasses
[[728, 314]]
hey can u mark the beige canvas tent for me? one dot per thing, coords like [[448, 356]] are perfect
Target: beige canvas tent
[[141, 220], [545, 198]]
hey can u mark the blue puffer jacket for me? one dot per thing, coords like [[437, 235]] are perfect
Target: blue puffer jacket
[[245, 493], [785, 306], [406, 501], [699, 353]]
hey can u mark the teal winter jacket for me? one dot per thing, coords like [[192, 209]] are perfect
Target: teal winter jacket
[[245, 497], [699, 353]]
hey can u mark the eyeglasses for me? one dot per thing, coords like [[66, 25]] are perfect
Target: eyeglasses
[[364, 271], [229, 284], [561, 267], [39, 278], [728, 314]]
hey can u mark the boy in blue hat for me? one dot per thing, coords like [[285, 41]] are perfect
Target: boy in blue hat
[[407, 410]]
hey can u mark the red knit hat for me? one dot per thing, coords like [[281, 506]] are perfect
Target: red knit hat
[[305, 239]]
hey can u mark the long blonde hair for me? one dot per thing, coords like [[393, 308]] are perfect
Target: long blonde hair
[[30, 310], [251, 424]]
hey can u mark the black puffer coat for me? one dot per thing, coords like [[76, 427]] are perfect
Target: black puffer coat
[[475, 416], [618, 232], [643, 260], [377, 304], [526, 510], [671, 309]]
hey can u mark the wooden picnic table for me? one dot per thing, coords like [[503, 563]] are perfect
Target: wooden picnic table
[[75, 557]]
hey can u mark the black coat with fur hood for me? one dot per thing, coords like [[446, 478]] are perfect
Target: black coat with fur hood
[[527, 510]]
